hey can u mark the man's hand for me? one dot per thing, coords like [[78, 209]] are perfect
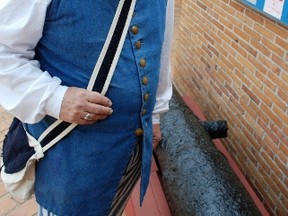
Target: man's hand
[[157, 135], [82, 107]]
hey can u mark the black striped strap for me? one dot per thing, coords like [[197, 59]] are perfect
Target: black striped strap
[[103, 71]]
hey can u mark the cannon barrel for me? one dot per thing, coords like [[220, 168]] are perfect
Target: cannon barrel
[[197, 178]]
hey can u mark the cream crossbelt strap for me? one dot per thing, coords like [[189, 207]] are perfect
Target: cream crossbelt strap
[[103, 71]]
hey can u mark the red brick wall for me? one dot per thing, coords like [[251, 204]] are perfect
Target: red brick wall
[[233, 61]]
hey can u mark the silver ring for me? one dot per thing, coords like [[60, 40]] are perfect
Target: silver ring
[[88, 116]]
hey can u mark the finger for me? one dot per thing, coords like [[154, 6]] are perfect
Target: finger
[[98, 109], [97, 98], [88, 116], [94, 117]]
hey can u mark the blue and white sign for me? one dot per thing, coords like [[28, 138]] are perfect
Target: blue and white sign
[[275, 9]]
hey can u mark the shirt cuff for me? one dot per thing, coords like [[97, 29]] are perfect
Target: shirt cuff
[[156, 119], [54, 102]]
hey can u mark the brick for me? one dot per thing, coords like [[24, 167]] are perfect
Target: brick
[[251, 95], [223, 53], [283, 95], [264, 31], [281, 209], [207, 65], [216, 37], [227, 38], [280, 61], [278, 172], [248, 48], [239, 48], [244, 20], [253, 34], [273, 186], [257, 64], [225, 23], [263, 97], [282, 115], [268, 84], [206, 50], [206, 18], [218, 25], [4, 126], [276, 29], [242, 34], [248, 131], [222, 13], [6, 205], [209, 39], [270, 202], [275, 139], [260, 47], [235, 21], [2, 136], [3, 191], [233, 93], [280, 184], [280, 133], [282, 43], [248, 109], [201, 5], [276, 78], [252, 156], [283, 201], [237, 6], [273, 47], [269, 64], [256, 17], [229, 49], [268, 160], [28, 208]]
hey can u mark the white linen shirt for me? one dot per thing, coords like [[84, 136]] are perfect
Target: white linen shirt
[[29, 93]]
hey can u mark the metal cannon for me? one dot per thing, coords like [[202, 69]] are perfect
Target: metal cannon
[[197, 178]]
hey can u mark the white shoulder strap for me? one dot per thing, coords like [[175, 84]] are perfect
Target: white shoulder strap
[[61, 128]]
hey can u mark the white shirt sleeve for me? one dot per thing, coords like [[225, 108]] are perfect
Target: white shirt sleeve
[[25, 91], [164, 91]]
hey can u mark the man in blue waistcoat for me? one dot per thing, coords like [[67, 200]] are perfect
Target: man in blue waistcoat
[[48, 49]]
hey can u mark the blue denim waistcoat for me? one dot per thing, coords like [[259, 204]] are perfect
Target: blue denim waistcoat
[[80, 175]]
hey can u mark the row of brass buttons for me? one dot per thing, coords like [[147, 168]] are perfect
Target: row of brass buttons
[[142, 63]]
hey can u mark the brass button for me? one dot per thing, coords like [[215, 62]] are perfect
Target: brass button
[[145, 80], [142, 62], [139, 132], [146, 97], [135, 29], [138, 45], [143, 112]]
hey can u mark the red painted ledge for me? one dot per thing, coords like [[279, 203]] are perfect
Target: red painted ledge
[[155, 203]]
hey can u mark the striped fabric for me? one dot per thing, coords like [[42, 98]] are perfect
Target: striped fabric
[[127, 183], [125, 188]]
